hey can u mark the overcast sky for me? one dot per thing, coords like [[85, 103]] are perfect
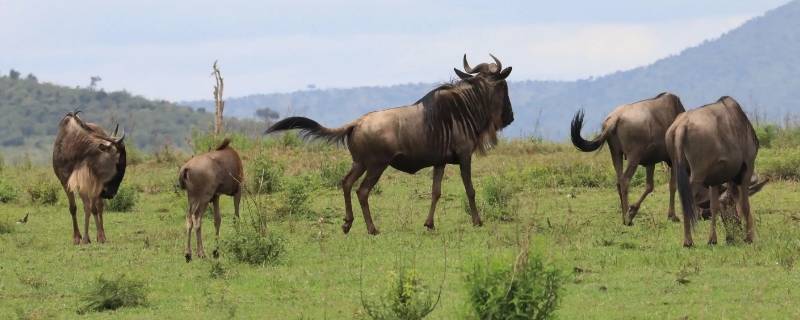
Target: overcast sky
[[164, 49]]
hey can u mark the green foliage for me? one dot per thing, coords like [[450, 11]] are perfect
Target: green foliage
[[44, 192], [406, 297], [125, 200], [265, 174], [205, 142], [217, 270], [498, 290], [498, 199], [332, 172], [6, 227], [249, 245], [112, 294], [766, 134], [8, 192], [779, 163], [296, 197]]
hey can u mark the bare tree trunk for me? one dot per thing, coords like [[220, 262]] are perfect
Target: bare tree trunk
[[218, 102]]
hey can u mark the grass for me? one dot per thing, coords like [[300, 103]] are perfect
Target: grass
[[611, 271]]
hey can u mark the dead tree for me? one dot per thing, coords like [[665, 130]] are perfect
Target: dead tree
[[220, 105]]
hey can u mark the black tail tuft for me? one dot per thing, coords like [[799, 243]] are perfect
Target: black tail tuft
[[685, 192], [225, 143], [579, 142]]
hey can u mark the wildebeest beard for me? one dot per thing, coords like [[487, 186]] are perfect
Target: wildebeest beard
[[465, 106], [112, 186]]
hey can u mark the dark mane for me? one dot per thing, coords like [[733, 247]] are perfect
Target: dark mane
[[464, 104]]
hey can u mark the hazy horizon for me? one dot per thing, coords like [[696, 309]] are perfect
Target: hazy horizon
[[165, 50]]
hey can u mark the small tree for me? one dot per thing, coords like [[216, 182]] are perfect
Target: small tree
[[14, 74], [218, 102]]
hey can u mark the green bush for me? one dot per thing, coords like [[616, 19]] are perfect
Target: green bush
[[124, 201], [498, 291], [406, 297], [779, 163], [497, 200], [205, 142], [331, 173], [265, 174], [296, 197], [43, 192], [112, 294], [766, 134], [248, 245], [8, 193]]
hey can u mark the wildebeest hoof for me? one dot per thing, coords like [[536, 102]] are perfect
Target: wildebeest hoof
[[85, 240], [748, 239], [373, 231], [712, 242], [477, 223], [673, 218], [188, 257], [430, 226], [76, 240], [346, 227], [201, 255], [627, 223], [729, 240], [688, 244], [215, 253]]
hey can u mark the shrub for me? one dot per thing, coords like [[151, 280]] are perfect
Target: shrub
[[406, 297], [265, 174], [498, 291], [248, 245], [296, 197], [124, 201], [8, 192], [497, 201], [43, 192], [331, 173], [779, 163], [766, 134], [112, 294]]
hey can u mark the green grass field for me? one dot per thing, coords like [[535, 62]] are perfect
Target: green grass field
[[567, 199]]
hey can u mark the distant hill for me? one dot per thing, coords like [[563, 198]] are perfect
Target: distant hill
[[757, 63], [30, 112]]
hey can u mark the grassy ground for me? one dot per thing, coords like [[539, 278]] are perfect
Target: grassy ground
[[612, 271]]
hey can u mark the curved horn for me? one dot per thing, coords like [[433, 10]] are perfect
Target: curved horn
[[115, 130], [497, 62], [461, 74], [466, 65], [121, 138]]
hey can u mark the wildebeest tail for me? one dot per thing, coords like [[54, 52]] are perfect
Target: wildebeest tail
[[682, 172], [224, 144], [583, 144], [182, 177], [311, 129]]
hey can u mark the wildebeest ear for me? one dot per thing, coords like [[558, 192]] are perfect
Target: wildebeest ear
[[462, 75], [504, 74], [756, 187]]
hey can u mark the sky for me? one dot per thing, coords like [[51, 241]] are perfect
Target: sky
[[165, 49]]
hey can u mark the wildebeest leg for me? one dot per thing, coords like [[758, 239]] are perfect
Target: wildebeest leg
[[624, 184], [197, 225], [87, 211], [373, 174], [673, 186], [189, 226], [217, 222], [436, 192], [465, 165], [97, 211], [616, 159], [347, 184], [73, 211], [713, 195], [647, 190], [236, 198], [743, 205], [697, 188]]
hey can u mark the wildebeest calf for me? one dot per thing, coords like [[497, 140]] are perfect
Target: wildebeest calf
[[205, 177]]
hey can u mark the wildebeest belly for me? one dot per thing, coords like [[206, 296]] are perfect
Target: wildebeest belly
[[724, 171], [412, 164]]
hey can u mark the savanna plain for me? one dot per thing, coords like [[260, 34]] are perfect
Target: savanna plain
[[537, 198]]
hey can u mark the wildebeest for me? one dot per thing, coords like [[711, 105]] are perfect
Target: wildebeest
[[89, 162], [635, 132], [716, 144], [205, 177], [446, 126]]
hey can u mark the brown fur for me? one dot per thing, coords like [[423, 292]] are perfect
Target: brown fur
[[205, 177], [717, 145], [90, 163], [635, 132], [446, 126]]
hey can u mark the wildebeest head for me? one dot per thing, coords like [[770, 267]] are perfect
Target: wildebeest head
[[496, 76], [104, 155]]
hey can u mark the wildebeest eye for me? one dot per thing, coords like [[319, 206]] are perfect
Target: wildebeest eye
[[105, 147]]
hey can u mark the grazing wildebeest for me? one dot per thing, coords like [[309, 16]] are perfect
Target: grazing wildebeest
[[635, 132], [445, 127], [205, 177], [89, 162], [716, 144]]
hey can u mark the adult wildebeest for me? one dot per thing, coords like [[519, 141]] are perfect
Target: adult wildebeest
[[89, 162], [635, 132], [445, 127], [205, 177], [717, 144]]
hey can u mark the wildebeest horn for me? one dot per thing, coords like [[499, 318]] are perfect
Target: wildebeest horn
[[467, 69], [121, 138], [115, 130], [497, 62], [461, 74]]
